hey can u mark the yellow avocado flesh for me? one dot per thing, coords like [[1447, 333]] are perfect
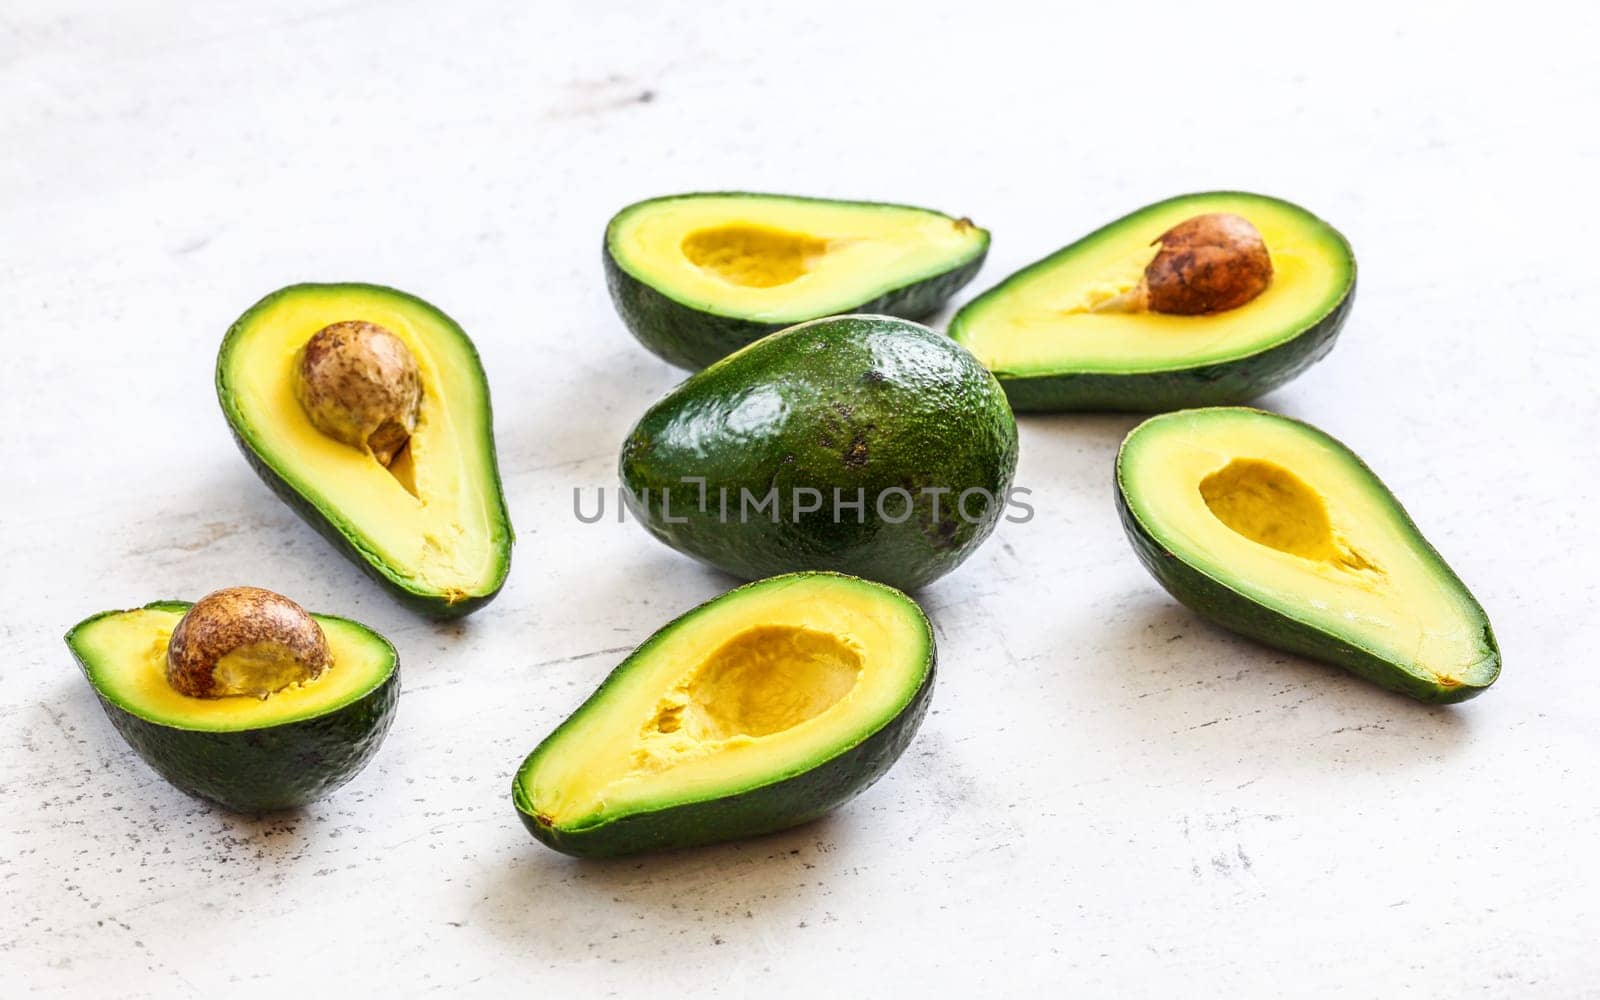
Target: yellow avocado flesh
[[1045, 319], [430, 520], [782, 260], [126, 654], [735, 695], [1289, 518]]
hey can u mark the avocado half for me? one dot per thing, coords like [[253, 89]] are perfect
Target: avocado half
[[1038, 332], [865, 445], [760, 710], [698, 276], [432, 528], [244, 753], [1271, 528]]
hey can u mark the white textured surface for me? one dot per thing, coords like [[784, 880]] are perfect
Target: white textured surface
[[1109, 794]]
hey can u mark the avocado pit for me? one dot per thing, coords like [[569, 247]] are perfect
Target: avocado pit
[[1210, 263], [359, 384], [244, 641]]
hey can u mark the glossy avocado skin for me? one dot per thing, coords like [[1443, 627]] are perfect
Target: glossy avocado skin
[[854, 403], [259, 770], [1223, 384], [1215, 601], [783, 804]]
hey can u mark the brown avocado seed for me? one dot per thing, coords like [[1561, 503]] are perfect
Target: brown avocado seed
[[1210, 263], [358, 383], [244, 641]]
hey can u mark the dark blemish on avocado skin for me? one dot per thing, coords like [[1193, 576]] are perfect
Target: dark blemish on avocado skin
[[855, 456], [830, 426], [833, 426], [941, 535], [941, 532]]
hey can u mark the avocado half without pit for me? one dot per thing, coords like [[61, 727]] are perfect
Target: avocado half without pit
[[865, 445], [760, 710], [242, 698], [367, 410], [1271, 528], [1199, 300], [698, 276]]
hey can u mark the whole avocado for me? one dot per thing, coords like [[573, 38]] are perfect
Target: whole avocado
[[866, 445]]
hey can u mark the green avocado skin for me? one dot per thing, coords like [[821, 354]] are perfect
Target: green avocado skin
[[861, 405], [692, 338], [783, 804], [259, 770], [1222, 384], [1216, 602], [429, 605]]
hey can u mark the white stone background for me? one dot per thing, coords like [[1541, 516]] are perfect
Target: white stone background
[[1110, 795]]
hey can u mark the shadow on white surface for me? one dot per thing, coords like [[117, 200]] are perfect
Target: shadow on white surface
[[530, 900], [1179, 676]]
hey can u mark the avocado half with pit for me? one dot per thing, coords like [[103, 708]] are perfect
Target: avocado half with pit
[[1271, 528], [760, 710], [432, 525], [865, 445], [1046, 334], [245, 753], [698, 276]]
